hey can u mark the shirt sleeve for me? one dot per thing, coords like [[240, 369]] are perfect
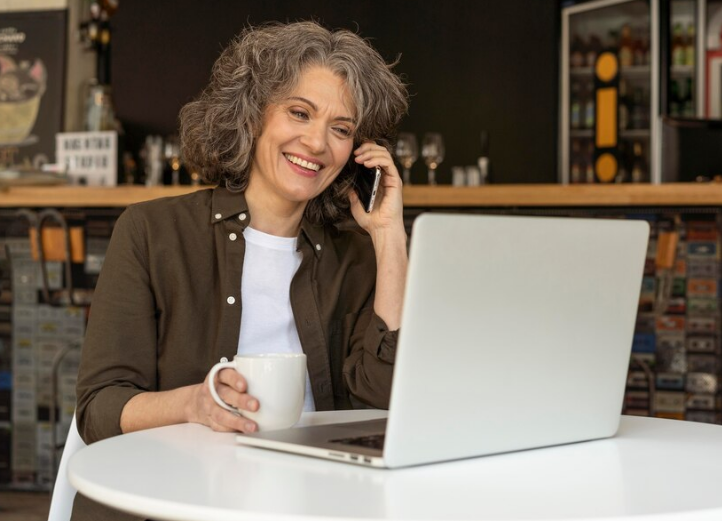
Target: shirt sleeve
[[368, 369], [118, 359]]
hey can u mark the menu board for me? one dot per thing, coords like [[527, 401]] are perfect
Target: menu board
[[32, 80]]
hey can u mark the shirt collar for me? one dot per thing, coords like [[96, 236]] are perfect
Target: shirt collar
[[227, 204]]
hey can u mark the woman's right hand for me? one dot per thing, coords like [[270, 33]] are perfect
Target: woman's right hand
[[231, 387]]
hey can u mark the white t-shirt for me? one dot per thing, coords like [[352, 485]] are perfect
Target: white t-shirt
[[267, 324]]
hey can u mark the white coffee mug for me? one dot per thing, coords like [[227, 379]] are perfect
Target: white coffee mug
[[277, 380]]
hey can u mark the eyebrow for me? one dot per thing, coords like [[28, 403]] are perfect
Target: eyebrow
[[315, 107]]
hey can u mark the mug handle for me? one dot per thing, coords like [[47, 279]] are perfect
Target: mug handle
[[212, 384]]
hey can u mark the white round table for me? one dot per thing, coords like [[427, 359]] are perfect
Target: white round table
[[664, 469]]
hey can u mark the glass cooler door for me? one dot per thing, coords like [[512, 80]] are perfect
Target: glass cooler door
[[609, 91]]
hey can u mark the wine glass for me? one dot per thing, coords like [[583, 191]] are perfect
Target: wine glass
[[432, 150], [407, 152]]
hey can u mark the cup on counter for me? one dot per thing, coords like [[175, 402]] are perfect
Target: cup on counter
[[458, 176], [473, 176], [277, 380]]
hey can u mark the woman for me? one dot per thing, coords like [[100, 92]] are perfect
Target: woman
[[257, 264]]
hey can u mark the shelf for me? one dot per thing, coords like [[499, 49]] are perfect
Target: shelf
[[635, 70], [581, 133], [682, 71], [553, 195], [630, 133], [633, 133], [420, 196]]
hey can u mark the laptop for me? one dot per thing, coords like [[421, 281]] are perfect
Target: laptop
[[516, 334]]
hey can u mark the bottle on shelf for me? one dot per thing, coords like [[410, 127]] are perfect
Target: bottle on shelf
[[639, 168], [638, 47], [678, 45], [638, 112], [589, 166], [621, 176], [626, 50], [575, 161], [99, 112], [593, 50], [483, 161], [623, 104], [576, 52], [588, 111], [575, 106], [647, 59], [689, 54]]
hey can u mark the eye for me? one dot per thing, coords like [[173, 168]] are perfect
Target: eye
[[343, 131], [299, 114]]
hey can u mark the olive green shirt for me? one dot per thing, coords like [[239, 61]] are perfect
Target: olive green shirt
[[167, 307]]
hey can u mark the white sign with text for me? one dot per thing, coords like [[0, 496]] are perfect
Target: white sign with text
[[90, 158]]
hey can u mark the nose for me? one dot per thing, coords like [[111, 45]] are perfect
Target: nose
[[314, 138]]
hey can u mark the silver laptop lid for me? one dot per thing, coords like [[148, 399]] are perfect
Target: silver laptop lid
[[516, 333]]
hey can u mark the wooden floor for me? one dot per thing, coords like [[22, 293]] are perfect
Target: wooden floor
[[24, 506]]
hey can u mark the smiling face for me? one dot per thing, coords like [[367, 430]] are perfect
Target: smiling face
[[306, 141]]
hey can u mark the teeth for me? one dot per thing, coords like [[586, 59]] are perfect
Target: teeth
[[302, 162]]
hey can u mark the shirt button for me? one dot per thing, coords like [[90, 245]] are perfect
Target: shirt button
[[231, 300], [218, 216], [242, 217], [318, 247], [233, 236]]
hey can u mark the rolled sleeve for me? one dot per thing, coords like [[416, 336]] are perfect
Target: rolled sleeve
[[379, 341], [368, 369], [119, 355]]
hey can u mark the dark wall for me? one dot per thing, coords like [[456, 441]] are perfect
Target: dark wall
[[471, 66]]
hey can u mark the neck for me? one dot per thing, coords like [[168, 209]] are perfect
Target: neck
[[271, 214]]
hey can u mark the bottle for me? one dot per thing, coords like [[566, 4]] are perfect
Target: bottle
[[646, 46], [638, 47], [690, 46], [576, 52], [678, 45], [588, 107], [593, 50], [626, 52], [638, 117], [575, 108], [623, 104], [483, 161], [575, 170], [589, 170], [639, 170], [621, 176]]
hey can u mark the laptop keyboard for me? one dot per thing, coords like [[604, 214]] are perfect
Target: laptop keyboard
[[374, 441]]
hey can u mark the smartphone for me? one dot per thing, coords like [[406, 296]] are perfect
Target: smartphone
[[366, 184]]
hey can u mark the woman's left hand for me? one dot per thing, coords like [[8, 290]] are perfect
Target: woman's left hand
[[387, 214]]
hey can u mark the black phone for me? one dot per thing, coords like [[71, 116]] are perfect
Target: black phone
[[366, 183]]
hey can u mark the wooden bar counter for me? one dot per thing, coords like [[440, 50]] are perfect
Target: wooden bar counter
[[416, 196]]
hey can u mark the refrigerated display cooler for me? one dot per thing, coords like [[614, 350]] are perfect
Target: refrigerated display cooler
[[626, 65]]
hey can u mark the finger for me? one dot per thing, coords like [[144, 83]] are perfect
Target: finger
[[232, 379], [375, 152], [357, 210], [223, 419], [366, 145], [241, 401]]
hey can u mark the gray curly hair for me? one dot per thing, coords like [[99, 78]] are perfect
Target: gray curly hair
[[262, 65]]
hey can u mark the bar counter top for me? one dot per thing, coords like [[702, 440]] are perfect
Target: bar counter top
[[416, 196]]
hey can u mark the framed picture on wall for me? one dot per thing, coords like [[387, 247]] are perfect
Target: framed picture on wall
[[32, 80]]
